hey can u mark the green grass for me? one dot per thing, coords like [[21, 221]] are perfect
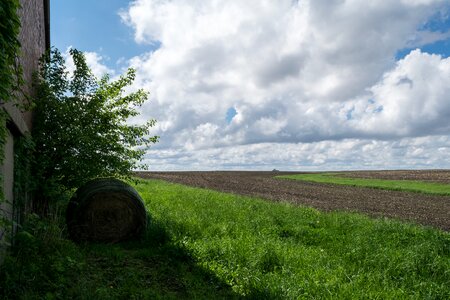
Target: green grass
[[203, 244], [46, 265], [396, 185]]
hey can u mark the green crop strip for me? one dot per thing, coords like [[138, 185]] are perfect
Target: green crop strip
[[396, 185]]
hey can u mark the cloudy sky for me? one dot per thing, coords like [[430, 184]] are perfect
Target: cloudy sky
[[291, 85]]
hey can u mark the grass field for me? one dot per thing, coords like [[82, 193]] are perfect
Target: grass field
[[208, 245], [396, 185]]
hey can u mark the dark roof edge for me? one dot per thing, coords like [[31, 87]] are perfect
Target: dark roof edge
[[47, 23]]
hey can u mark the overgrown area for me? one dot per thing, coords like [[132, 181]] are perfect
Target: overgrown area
[[47, 265], [206, 244], [10, 91], [10, 45], [81, 128], [81, 131]]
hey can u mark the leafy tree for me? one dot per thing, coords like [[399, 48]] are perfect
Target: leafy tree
[[81, 128]]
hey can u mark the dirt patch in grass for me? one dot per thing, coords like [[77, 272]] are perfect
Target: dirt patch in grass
[[420, 208]]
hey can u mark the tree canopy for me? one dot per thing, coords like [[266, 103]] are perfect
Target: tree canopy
[[81, 127]]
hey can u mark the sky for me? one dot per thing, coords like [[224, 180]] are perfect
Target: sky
[[288, 84]]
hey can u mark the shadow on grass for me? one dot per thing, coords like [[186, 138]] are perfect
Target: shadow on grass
[[47, 265], [154, 267], [177, 272]]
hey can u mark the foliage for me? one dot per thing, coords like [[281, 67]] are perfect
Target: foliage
[[41, 260], [3, 137], [10, 45], [10, 79], [23, 185], [80, 128], [24, 181], [46, 265], [396, 185]]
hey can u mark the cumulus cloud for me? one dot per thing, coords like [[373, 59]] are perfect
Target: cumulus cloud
[[348, 154], [295, 72], [94, 61], [412, 99]]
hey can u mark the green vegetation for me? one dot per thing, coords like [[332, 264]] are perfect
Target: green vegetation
[[81, 129], [11, 81], [396, 185], [46, 265], [206, 244], [10, 45]]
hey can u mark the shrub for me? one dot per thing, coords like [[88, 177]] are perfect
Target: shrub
[[81, 129]]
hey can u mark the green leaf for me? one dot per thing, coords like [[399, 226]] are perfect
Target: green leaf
[[81, 128]]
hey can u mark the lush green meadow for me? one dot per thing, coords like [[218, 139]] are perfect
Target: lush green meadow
[[396, 185], [203, 244]]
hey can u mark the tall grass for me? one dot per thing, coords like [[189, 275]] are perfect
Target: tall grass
[[46, 265], [397, 185], [273, 250], [202, 244]]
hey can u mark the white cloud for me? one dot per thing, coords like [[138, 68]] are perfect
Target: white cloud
[[296, 72], [94, 61], [348, 154], [413, 98]]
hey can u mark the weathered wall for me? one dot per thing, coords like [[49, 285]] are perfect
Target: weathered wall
[[34, 41], [6, 207], [32, 37]]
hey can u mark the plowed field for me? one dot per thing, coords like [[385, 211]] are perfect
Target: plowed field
[[416, 207]]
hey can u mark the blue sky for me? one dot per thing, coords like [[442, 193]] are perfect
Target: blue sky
[[439, 47], [94, 26], [329, 85]]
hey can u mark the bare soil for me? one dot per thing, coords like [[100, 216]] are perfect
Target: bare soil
[[416, 207]]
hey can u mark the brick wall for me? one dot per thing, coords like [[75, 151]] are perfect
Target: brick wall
[[34, 41], [32, 37]]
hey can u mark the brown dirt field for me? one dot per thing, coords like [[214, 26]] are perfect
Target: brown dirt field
[[416, 207]]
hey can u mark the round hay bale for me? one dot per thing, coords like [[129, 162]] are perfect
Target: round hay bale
[[106, 210]]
